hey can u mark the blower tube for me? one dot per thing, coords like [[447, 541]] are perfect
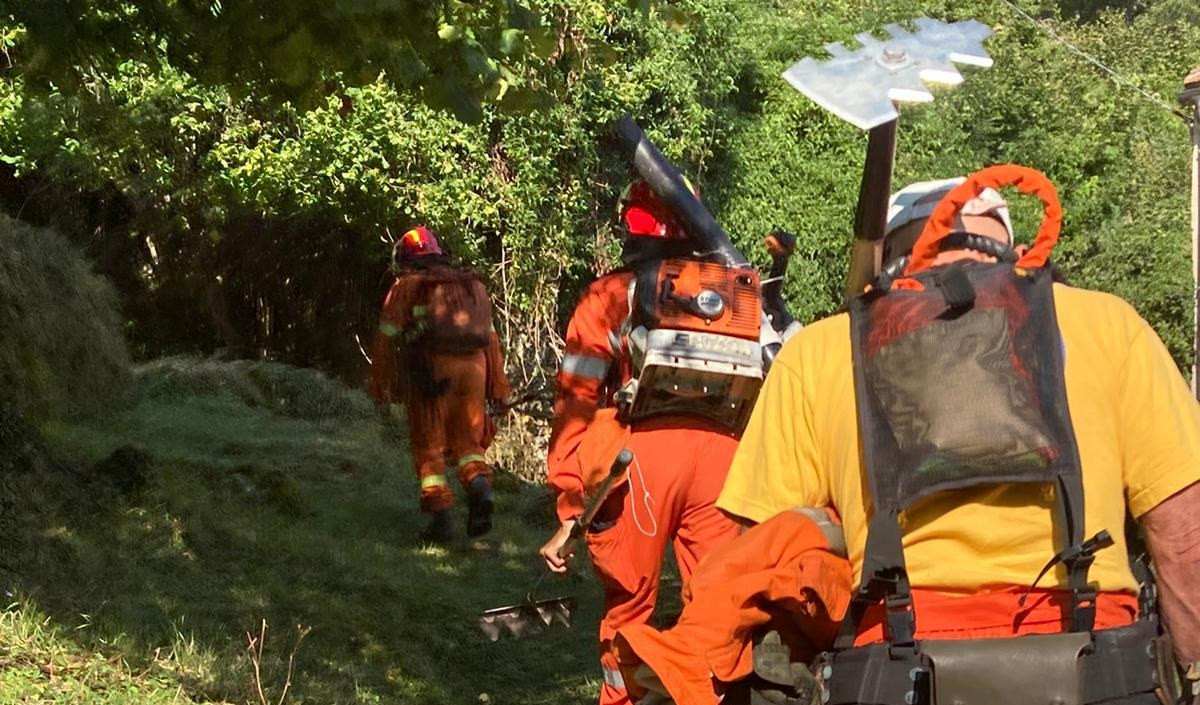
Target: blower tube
[[665, 180]]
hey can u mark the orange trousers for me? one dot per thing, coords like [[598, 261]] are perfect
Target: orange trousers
[[449, 426], [668, 498]]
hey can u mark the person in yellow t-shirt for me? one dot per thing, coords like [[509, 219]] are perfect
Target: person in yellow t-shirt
[[971, 553]]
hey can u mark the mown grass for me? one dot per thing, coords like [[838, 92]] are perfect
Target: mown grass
[[141, 575]]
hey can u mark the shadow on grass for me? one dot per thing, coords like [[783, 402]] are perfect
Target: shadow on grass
[[244, 515]]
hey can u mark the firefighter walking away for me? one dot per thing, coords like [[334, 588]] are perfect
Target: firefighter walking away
[[437, 353], [663, 357]]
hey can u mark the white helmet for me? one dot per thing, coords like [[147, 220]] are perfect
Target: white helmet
[[918, 201]]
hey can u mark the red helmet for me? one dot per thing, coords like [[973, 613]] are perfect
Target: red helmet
[[645, 215], [418, 242]]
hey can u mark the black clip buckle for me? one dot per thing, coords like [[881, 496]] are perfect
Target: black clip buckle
[[901, 627], [1077, 558]]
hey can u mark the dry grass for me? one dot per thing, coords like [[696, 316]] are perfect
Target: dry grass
[[62, 354]]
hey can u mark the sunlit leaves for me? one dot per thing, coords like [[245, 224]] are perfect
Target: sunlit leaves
[[456, 52], [284, 51]]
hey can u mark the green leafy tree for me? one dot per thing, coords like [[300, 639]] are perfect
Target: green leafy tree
[[456, 53], [257, 225], [231, 219]]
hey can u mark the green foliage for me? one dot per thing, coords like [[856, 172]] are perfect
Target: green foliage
[[459, 55], [1119, 162], [228, 222], [230, 215], [456, 53], [62, 354]]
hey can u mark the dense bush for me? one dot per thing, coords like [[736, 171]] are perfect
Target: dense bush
[[227, 222], [62, 354]]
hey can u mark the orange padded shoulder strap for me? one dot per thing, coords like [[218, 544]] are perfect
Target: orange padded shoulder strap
[[1029, 181]]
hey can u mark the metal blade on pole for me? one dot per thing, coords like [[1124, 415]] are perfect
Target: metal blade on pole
[[534, 616], [861, 85]]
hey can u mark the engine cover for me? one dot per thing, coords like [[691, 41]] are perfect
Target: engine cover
[[692, 373]]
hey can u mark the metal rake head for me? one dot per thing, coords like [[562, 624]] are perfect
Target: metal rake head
[[527, 618], [860, 86]]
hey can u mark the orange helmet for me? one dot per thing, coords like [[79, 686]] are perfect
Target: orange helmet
[[645, 215], [418, 242]]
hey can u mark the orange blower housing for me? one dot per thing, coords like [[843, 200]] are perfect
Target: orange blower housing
[[694, 341], [683, 299]]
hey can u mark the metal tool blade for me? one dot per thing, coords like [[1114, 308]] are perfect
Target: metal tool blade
[[527, 618], [861, 85]]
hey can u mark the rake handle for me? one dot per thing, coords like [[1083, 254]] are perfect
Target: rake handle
[[619, 466]]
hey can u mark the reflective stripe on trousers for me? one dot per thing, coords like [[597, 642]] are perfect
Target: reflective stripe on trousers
[[462, 462], [612, 678], [585, 366], [433, 481]]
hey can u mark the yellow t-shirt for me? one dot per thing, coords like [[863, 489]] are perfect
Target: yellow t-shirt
[[1136, 424]]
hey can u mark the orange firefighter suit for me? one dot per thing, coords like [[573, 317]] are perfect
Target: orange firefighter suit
[[781, 574], [669, 491], [445, 390]]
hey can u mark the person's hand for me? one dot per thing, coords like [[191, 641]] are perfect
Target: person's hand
[[557, 541]]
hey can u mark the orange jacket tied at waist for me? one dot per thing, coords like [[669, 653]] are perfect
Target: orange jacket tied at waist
[[780, 573]]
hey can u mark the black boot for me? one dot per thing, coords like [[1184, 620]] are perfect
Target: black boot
[[440, 529], [482, 504]]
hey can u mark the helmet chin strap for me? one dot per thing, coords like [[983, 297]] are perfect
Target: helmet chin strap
[[1002, 251]]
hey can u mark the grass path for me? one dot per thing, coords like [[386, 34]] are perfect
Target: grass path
[[146, 594]]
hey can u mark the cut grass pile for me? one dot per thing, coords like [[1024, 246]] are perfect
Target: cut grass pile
[[61, 350], [158, 539]]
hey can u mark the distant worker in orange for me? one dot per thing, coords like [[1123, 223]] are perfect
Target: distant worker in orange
[[680, 413], [437, 352]]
